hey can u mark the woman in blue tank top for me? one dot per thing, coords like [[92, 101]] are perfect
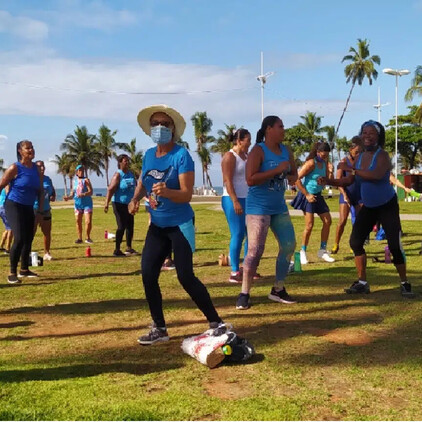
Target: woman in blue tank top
[[120, 191], [372, 172], [310, 200], [25, 185], [269, 164]]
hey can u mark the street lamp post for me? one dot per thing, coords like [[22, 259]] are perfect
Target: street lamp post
[[263, 79], [396, 73]]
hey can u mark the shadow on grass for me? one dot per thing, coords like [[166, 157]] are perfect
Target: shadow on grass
[[16, 324]]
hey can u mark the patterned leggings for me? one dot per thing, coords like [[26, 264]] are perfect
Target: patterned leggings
[[282, 227]]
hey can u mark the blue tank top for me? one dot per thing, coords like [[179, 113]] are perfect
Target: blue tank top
[[311, 180], [126, 188], [25, 186], [375, 193], [2, 197], [79, 186], [268, 197], [48, 191]]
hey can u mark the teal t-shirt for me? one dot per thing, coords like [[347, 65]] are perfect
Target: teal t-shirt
[[311, 180]]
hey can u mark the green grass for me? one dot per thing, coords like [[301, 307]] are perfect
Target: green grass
[[69, 351]]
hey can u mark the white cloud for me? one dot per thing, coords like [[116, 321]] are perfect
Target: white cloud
[[3, 139], [23, 27]]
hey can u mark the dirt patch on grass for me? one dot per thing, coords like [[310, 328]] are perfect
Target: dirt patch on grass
[[348, 336], [224, 383]]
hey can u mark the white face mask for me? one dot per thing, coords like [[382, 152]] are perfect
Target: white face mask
[[161, 135]]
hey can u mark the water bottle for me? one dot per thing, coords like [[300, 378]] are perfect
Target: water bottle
[[106, 234], [387, 255], [297, 265], [88, 251]]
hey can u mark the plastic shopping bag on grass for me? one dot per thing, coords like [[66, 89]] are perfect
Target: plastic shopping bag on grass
[[214, 346]]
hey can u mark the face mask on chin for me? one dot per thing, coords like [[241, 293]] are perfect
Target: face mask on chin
[[161, 135]]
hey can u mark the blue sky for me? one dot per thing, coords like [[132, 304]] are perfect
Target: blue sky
[[80, 62]]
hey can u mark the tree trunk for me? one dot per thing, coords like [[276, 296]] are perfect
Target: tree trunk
[[65, 184], [106, 170], [345, 108]]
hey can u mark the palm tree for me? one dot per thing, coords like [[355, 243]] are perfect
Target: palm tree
[[202, 127], [2, 164], [330, 132], [222, 143], [106, 145], [136, 157], [362, 66], [82, 149], [65, 167], [416, 88], [183, 143], [311, 127]]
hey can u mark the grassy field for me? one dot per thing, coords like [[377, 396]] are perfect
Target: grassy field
[[69, 350]]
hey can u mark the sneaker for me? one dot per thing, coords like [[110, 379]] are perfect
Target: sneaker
[[168, 265], [257, 276], [118, 252], [282, 296], [7, 252], [291, 268], [27, 273], [335, 249], [242, 301], [236, 277], [303, 258], [13, 279], [323, 254], [156, 334], [357, 287], [130, 251], [406, 290], [88, 241], [47, 257], [220, 328], [77, 241]]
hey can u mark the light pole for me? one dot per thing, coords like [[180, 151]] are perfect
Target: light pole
[[379, 105], [396, 73], [263, 79]]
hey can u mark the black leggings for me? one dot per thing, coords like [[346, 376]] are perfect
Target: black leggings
[[21, 219], [158, 244], [125, 221], [388, 215]]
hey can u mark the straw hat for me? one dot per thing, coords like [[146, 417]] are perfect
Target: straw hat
[[144, 117]]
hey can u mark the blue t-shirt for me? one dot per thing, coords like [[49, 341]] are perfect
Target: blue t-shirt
[[165, 212], [48, 191], [25, 186], [79, 186], [311, 180], [268, 197], [374, 193], [126, 188]]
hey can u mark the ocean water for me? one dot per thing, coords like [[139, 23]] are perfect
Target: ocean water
[[103, 191]]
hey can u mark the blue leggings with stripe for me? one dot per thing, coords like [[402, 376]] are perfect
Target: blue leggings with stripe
[[237, 227]]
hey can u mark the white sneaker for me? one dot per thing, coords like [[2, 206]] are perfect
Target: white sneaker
[[47, 257], [323, 254], [303, 258]]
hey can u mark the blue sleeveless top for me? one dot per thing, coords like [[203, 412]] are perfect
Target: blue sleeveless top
[[311, 180], [375, 193], [353, 190], [268, 197], [79, 186], [25, 186], [126, 188]]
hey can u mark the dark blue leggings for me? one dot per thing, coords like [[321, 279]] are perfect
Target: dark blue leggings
[[159, 243], [125, 221]]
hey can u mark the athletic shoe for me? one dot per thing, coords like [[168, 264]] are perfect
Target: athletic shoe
[[118, 252], [47, 257], [78, 241], [7, 252], [130, 251], [406, 290], [282, 296], [156, 334], [220, 328], [89, 241], [236, 277], [13, 279], [28, 274], [323, 254], [335, 249], [2, 249], [242, 301], [291, 268], [257, 276], [303, 258], [168, 265], [357, 288]]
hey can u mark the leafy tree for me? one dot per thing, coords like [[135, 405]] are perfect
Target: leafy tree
[[416, 88], [136, 156], [410, 139], [222, 143], [65, 167], [183, 143], [81, 147], [106, 145], [362, 67], [202, 126], [2, 168]]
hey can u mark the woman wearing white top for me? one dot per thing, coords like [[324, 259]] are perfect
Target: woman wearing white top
[[234, 196]]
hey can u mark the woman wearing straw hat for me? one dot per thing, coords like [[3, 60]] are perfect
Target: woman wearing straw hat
[[167, 182]]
